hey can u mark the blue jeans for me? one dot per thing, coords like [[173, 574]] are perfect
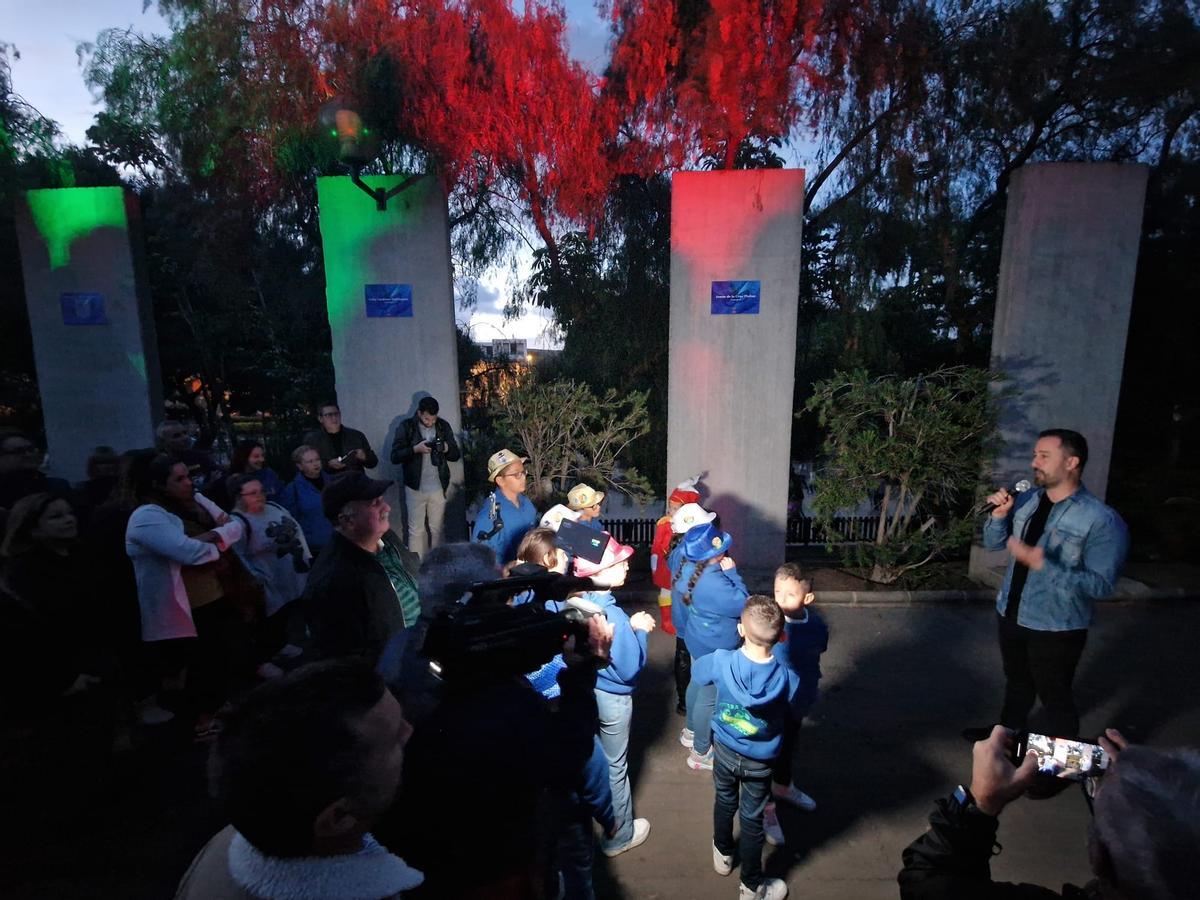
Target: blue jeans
[[731, 772], [701, 705], [574, 852], [616, 712]]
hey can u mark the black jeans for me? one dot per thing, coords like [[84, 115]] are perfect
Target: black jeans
[[789, 761], [734, 774], [1040, 664], [683, 671]]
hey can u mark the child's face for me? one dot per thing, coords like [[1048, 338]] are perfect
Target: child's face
[[791, 594]]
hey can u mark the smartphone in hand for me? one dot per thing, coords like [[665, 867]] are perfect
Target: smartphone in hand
[[1072, 758]]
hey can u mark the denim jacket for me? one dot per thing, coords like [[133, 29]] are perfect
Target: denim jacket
[[1085, 543]]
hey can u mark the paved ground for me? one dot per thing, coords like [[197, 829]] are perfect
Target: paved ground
[[899, 685]]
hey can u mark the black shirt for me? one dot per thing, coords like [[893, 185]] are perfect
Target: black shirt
[[1033, 533]]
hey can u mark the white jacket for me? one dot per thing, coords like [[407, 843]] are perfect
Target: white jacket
[[155, 541]]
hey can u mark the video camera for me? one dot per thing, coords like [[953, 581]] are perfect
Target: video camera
[[482, 637]]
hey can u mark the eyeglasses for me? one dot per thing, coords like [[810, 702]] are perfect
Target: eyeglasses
[[515, 475], [330, 415], [257, 492]]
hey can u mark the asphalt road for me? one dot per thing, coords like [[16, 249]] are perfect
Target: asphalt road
[[899, 684]]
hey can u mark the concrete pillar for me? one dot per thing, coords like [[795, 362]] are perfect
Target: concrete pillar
[[391, 315], [92, 322], [1067, 266], [733, 347]]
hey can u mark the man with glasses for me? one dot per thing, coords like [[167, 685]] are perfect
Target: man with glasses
[[507, 513], [341, 448], [20, 458]]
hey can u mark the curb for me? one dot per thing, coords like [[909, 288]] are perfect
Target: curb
[[913, 598]]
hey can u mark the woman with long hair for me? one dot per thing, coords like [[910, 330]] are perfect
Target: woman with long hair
[[172, 528], [52, 662]]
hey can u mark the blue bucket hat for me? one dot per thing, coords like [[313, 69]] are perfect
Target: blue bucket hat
[[704, 542]]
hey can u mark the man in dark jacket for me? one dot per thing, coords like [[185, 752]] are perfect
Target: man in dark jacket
[[362, 589], [425, 446], [1142, 844], [341, 448]]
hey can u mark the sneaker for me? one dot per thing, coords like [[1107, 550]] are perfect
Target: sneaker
[[150, 713], [268, 670], [770, 889], [795, 797], [686, 736], [721, 863], [641, 831], [771, 830], [289, 651], [700, 763]]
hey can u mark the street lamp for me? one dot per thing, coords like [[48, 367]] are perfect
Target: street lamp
[[357, 146]]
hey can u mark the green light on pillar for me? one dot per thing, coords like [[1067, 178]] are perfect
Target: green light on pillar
[[138, 362], [351, 229], [64, 215]]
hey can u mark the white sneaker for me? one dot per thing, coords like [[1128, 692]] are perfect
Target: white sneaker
[[794, 796], [686, 736], [700, 763], [641, 831], [150, 713], [770, 889], [771, 830], [721, 863]]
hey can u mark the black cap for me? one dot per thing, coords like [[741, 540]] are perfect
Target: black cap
[[352, 486]]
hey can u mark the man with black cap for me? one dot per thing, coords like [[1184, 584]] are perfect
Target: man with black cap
[[362, 589]]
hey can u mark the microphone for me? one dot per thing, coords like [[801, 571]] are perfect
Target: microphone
[[1019, 488]]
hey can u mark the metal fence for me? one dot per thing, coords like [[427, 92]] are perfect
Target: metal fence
[[800, 531]]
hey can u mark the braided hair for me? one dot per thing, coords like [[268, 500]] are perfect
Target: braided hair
[[691, 585]]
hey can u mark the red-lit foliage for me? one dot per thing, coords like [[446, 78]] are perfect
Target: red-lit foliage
[[693, 77], [490, 94]]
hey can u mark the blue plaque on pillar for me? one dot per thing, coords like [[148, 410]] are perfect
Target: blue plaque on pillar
[[82, 309], [389, 301], [735, 298]]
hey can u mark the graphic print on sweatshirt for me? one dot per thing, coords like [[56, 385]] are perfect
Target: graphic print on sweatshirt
[[740, 719]]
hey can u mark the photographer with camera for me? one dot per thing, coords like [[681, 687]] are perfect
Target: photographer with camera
[[1142, 844], [424, 446], [507, 513], [491, 759]]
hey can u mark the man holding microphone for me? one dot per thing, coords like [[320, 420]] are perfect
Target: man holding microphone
[[1066, 550]]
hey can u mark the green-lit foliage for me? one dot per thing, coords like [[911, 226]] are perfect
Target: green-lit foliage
[[571, 434], [916, 447]]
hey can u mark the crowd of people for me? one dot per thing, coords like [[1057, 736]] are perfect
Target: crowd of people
[[285, 624]]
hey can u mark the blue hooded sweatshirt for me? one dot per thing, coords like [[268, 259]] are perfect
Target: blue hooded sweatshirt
[[680, 611], [805, 638], [752, 700], [628, 651], [717, 603]]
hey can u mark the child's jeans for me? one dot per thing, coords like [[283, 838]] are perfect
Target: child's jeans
[[734, 775], [616, 713], [788, 764], [701, 704]]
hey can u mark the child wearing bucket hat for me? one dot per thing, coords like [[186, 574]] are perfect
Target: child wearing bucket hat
[[586, 501], [615, 685], [708, 584], [507, 513]]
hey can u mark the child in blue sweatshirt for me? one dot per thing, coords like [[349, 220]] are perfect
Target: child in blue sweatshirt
[[805, 638], [753, 692], [711, 591], [614, 688]]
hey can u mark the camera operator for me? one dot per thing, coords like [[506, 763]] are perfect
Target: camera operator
[[424, 446], [484, 761], [1142, 845]]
